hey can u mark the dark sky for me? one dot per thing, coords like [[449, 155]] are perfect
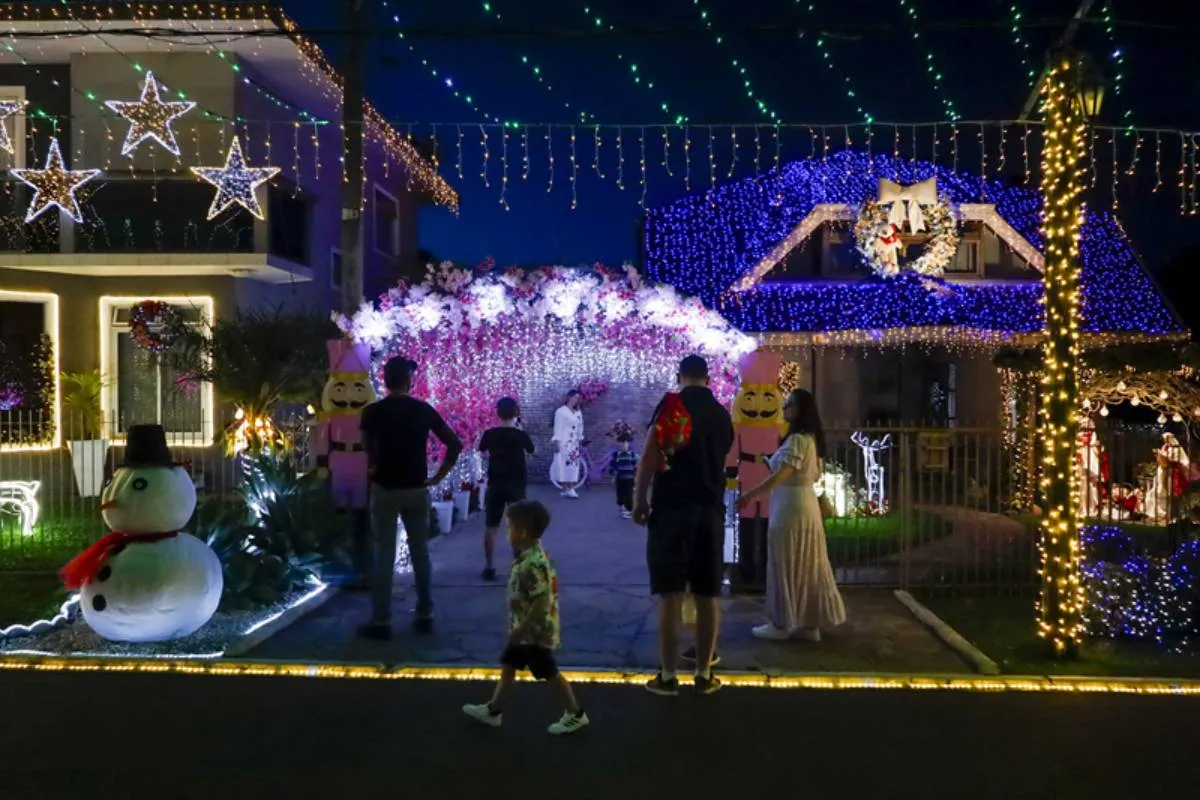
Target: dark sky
[[870, 42]]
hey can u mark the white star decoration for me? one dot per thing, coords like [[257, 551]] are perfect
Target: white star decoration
[[7, 109], [235, 182], [150, 117], [54, 185]]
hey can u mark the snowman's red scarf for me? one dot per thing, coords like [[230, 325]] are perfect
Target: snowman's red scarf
[[83, 567]]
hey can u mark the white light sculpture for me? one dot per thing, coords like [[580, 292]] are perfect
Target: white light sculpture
[[872, 468], [20, 498]]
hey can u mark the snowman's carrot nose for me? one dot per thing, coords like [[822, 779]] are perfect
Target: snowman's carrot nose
[[108, 505]]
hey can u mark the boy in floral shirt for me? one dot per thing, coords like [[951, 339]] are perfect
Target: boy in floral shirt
[[532, 621]]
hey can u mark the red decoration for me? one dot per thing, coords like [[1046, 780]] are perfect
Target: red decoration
[[672, 429], [83, 567], [154, 325]]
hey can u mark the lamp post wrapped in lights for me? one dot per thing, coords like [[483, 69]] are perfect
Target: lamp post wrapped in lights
[[1072, 94]]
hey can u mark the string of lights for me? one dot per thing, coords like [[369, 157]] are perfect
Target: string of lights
[[637, 74], [827, 58], [1031, 72], [935, 75], [535, 71], [1116, 57], [737, 66]]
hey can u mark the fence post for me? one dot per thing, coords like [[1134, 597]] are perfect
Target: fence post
[[905, 506]]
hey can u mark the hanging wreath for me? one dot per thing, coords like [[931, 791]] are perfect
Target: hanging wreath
[[877, 239], [154, 325]]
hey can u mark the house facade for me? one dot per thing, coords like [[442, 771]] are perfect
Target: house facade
[[784, 257], [147, 226]]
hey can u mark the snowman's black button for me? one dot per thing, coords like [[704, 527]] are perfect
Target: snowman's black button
[[99, 603], [104, 573]]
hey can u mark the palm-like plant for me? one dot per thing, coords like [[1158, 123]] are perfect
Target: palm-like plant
[[81, 401]]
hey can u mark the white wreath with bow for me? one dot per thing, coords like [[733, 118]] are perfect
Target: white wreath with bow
[[924, 211]]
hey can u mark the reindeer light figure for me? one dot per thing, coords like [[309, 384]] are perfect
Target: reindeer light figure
[[20, 498], [874, 470]]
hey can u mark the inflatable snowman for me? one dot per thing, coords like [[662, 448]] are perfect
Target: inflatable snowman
[[145, 581]]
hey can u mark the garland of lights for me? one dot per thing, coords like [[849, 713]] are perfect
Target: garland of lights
[[7, 109], [155, 325], [150, 117], [54, 185], [874, 234]]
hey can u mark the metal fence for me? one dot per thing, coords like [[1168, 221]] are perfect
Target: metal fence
[[917, 507]]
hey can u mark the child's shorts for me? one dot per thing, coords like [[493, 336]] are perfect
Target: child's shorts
[[538, 660], [495, 500]]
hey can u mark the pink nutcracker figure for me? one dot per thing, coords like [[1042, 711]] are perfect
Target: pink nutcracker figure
[[757, 425], [338, 447]]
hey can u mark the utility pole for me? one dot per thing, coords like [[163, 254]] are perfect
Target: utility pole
[[353, 65], [1064, 41]]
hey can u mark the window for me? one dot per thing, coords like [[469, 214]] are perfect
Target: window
[[143, 387], [386, 224], [966, 260], [287, 224], [15, 126], [335, 268]]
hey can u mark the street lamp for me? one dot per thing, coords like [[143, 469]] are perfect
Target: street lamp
[[1072, 94]]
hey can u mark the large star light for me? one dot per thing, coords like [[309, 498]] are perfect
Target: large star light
[[150, 117], [235, 182], [54, 185], [7, 109]]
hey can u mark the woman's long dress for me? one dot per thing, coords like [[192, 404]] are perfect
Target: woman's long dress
[[567, 466], [801, 590]]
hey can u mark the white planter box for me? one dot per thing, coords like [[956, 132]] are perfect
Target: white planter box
[[445, 515], [462, 504], [87, 460]]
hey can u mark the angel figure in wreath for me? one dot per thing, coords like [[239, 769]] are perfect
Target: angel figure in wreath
[[888, 248]]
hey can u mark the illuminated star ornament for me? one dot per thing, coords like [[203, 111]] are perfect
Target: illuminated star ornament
[[235, 182], [54, 185], [150, 117], [7, 109]]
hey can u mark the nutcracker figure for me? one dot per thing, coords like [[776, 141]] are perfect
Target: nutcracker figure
[[338, 447], [757, 425]]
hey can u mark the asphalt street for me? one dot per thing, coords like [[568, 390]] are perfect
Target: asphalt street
[[176, 736]]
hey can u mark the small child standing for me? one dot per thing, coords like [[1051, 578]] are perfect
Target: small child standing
[[622, 465], [507, 447], [533, 621]]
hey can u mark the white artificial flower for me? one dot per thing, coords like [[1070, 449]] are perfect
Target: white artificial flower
[[488, 301], [615, 306], [562, 298]]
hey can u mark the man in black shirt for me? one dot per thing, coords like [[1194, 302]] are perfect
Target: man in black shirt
[[686, 525], [395, 432], [507, 447]]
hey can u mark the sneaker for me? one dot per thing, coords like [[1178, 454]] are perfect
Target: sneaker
[[707, 686], [690, 656], [483, 713], [807, 634], [375, 630], [571, 494], [489, 574], [663, 688], [771, 633], [627, 514], [569, 723]]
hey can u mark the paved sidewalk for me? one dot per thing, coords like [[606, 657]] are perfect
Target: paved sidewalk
[[609, 618]]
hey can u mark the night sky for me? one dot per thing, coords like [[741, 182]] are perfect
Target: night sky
[[870, 42]]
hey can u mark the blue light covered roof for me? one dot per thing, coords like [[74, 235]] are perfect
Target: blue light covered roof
[[702, 244]]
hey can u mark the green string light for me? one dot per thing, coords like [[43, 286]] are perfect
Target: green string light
[[826, 57], [1117, 56], [738, 67], [636, 74], [536, 72], [935, 75], [1031, 74]]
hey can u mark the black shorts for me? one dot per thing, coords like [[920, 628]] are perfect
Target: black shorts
[[538, 660], [685, 547], [496, 499]]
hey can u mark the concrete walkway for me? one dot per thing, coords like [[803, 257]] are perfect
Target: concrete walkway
[[609, 618]]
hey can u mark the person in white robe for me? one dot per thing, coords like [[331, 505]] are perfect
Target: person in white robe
[[566, 470]]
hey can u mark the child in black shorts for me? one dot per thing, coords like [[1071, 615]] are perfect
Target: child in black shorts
[[507, 447], [622, 465], [532, 621]]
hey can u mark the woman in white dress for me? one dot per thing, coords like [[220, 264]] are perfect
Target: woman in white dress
[[802, 595], [567, 444]]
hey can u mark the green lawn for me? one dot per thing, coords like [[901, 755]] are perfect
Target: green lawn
[[865, 538], [28, 598], [1003, 628], [59, 534]]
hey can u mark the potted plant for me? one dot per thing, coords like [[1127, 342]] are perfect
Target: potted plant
[[462, 500], [84, 420], [444, 509]]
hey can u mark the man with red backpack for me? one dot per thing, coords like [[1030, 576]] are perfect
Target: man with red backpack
[[679, 494]]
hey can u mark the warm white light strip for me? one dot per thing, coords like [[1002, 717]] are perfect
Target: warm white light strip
[[208, 312], [51, 327]]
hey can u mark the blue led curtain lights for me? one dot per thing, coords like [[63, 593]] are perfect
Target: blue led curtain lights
[[704, 243]]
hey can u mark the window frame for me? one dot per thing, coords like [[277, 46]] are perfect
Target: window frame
[[18, 125], [379, 190]]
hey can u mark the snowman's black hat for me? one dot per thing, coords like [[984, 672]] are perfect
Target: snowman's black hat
[[146, 446]]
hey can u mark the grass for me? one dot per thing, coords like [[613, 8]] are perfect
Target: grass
[[863, 538], [1003, 628], [58, 535], [28, 598]]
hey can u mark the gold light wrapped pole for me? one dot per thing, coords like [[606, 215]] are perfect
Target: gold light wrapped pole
[[1060, 609]]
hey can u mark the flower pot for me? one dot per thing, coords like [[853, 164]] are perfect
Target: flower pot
[[462, 505], [445, 515], [87, 459]]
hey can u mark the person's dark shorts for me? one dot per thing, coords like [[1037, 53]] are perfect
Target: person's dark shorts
[[496, 499], [538, 660], [685, 547]]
